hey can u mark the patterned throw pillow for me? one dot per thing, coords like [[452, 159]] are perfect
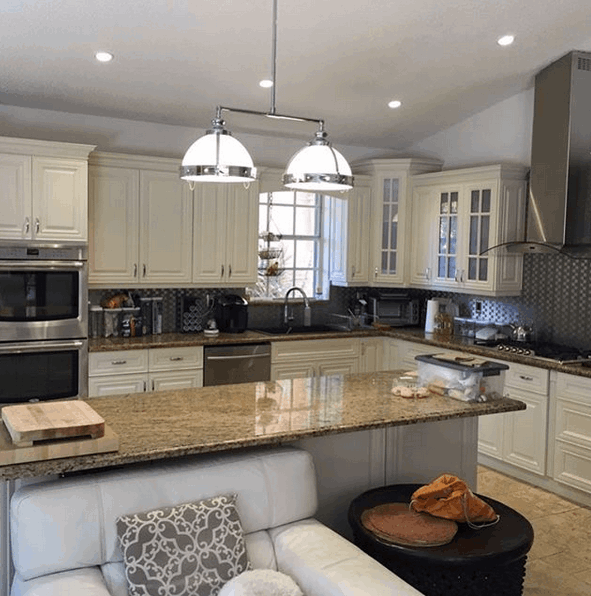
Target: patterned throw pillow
[[188, 550]]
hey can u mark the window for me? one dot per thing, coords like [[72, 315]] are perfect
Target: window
[[292, 244]]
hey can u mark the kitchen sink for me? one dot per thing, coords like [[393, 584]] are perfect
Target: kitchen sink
[[300, 329]]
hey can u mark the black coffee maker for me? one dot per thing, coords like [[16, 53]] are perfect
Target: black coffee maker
[[232, 314]]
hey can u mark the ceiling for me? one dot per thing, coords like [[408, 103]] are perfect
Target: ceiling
[[337, 60]]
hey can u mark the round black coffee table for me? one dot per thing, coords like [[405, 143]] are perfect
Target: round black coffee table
[[485, 562]]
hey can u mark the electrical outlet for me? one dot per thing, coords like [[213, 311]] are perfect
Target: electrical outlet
[[478, 307]]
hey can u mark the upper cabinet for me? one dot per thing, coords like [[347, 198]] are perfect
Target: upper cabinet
[[390, 217], [457, 216], [141, 217], [43, 190], [349, 235], [225, 232]]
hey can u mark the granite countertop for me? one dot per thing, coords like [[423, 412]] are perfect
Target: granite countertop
[[415, 334], [167, 424]]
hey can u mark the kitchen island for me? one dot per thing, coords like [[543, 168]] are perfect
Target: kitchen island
[[359, 433]]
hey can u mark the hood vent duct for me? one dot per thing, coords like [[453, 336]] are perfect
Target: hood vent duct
[[558, 217]]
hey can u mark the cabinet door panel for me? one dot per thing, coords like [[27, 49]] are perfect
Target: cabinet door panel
[[291, 370], [422, 267], [60, 199], [117, 385], [178, 379], [209, 217], [166, 231], [15, 197], [344, 366], [490, 435], [241, 235], [114, 225]]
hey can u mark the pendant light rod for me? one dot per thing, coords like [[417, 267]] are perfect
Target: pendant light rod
[[274, 60], [273, 114]]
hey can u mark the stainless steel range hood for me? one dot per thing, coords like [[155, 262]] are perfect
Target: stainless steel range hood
[[559, 198]]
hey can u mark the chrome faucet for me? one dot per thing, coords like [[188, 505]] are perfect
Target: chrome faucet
[[288, 311]]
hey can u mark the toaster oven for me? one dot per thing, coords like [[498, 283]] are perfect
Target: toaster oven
[[396, 309]]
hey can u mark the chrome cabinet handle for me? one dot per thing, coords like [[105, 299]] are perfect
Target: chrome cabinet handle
[[526, 378], [222, 271], [117, 362], [144, 270], [375, 272], [135, 269], [427, 273], [176, 358], [27, 225], [229, 270], [37, 225]]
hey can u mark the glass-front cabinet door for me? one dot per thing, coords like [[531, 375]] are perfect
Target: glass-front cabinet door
[[447, 242], [390, 208], [478, 235]]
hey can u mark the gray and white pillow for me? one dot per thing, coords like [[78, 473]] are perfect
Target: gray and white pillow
[[191, 549]]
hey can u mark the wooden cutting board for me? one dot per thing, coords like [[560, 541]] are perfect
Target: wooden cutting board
[[54, 448], [27, 423]]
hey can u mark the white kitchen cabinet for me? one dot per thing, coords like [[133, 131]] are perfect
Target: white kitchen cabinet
[[141, 222], [457, 216], [390, 238], [349, 235], [571, 406], [312, 358], [520, 438], [138, 371], [371, 352], [225, 235], [43, 190]]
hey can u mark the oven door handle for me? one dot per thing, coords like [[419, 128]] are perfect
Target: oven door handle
[[239, 357], [38, 265], [41, 346]]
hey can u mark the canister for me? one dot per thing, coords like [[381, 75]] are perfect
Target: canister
[[96, 319], [112, 317], [157, 308]]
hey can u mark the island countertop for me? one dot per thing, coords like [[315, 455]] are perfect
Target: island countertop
[[176, 423]]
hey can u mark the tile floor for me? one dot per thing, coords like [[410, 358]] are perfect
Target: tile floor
[[559, 563]]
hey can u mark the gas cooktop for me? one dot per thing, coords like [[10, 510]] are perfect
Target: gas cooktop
[[539, 349]]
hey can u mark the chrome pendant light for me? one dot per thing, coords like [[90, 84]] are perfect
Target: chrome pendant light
[[219, 157]]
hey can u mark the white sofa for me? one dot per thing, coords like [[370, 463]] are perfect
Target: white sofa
[[64, 540]]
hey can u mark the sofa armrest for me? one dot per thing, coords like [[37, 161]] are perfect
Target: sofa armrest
[[323, 563], [87, 581]]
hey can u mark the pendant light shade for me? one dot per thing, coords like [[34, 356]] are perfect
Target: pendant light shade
[[217, 157], [318, 167]]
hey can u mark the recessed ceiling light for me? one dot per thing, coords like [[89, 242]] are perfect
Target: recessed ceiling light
[[506, 40], [394, 104], [104, 56], [266, 83]]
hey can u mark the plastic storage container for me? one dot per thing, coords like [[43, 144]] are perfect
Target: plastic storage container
[[464, 378]]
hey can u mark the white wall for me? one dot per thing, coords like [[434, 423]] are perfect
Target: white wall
[[501, 133], [144, 138]]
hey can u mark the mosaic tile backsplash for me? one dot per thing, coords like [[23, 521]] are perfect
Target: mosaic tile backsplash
[[555, 301]]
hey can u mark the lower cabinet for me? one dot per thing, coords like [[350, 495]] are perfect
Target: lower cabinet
[[520, 438], [137, 371], [314, 357], [571, 405]]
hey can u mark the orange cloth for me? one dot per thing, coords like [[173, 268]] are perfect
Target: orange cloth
[[449, 497]]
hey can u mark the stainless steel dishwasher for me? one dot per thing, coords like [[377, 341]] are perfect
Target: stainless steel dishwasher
[[243, 363]]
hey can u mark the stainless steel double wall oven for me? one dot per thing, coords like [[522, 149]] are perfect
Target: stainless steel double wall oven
[[43, 322]]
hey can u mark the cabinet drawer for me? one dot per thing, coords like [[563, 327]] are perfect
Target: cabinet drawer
[[528, 378], [573, 388], [573, 422], [118, 362], [107, 385], [313, 349], [175, 358]]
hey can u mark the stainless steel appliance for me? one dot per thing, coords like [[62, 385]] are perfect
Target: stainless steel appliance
[[243, 363], [43, 292], [392, 308], [43, 322], [43, 370], [540, 350]]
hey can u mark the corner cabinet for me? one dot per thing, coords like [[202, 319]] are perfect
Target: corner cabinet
[[43, 190], [140, 216], [225, 225], [390, 239], [457, 216]]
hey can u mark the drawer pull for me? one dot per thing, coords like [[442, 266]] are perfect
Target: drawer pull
[[117, 362], [526, 378], [176, 358]]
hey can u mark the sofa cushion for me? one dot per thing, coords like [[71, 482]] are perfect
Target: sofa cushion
[[70, 523], [193, 548]]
